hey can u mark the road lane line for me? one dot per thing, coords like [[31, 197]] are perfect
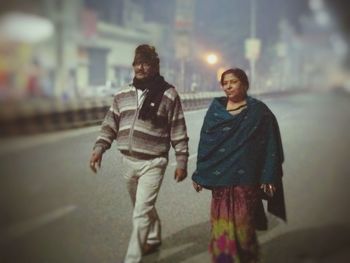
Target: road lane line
[[21, 143], [22, 228]]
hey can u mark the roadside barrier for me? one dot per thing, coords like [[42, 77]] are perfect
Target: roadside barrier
[[48, 115]]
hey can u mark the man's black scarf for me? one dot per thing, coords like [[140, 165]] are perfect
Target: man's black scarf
[[156, 86]]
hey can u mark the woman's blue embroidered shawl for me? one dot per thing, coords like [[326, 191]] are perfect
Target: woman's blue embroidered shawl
[[243, 149]]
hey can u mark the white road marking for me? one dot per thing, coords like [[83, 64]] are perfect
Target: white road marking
[[24, 142], [22, 228]]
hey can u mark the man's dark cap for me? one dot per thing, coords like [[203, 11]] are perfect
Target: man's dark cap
[[146, 54]]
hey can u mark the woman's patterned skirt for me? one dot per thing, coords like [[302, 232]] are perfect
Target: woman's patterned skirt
[[233, 236]]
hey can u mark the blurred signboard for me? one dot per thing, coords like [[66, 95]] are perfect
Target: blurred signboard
[[281, 49], [252, 48], [183, 27], [25, 28], [88, 18], [182, 45]]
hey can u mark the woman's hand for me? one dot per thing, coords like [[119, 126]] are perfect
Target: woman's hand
[[197, 187], [268, 189]]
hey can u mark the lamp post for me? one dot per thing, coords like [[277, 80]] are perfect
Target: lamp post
[[252, 44], [212, 60], [252, 35]]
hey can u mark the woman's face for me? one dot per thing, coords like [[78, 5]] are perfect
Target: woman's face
[[233, 88]]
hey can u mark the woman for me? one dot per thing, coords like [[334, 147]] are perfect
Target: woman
[[239, 152]]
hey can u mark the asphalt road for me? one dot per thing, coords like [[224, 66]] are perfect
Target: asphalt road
[[54, 209]]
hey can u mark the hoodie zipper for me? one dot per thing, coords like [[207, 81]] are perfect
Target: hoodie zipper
[[138, 107], [133, 122]]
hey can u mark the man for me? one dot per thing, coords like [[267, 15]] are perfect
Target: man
[[144, 119]]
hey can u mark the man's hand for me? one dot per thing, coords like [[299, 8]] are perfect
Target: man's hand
[[197, 187], [180, 174], [96, 158]]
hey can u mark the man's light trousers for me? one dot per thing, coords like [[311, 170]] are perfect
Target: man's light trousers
[[143, 178]]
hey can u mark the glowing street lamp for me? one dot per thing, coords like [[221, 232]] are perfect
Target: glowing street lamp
[[212, 59]]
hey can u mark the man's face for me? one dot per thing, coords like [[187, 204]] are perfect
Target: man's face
[[233, 87], [142, 69]]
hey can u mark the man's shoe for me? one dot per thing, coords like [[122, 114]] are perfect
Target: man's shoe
[[150, 248]]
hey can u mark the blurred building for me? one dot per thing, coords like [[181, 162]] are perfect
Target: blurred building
[[310, 57], [82, 48], [88, 53]]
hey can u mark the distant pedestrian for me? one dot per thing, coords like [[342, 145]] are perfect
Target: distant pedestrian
[[33, 85], [239, 154]]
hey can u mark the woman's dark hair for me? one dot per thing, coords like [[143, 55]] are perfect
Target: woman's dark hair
[[239, 73], [147, 54]]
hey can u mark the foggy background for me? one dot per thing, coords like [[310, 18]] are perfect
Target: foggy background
[[61, 61], [79, 49]]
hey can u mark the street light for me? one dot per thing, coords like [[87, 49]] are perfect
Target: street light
[[212, 59]]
